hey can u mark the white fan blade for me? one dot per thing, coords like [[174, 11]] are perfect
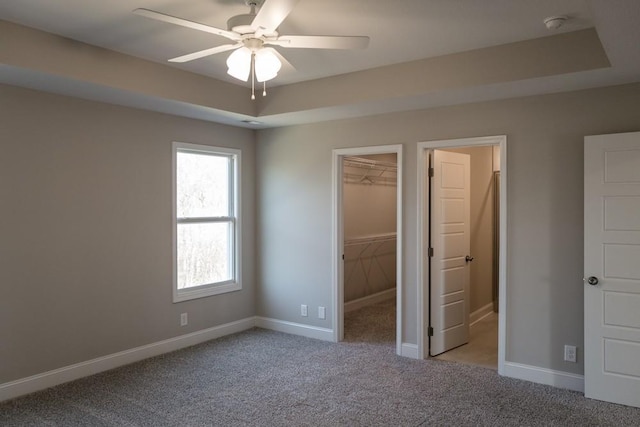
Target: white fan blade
[[206, 52], [271, 15], [321, 42], [185, 23]]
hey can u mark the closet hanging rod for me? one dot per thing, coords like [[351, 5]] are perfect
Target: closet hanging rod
[[350, 178], [360, 162], [370, 239]]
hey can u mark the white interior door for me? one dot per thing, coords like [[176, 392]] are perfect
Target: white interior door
[[612, 267], [450, 240]]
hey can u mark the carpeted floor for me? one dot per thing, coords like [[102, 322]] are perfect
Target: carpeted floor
[[482, 348], [266, 378], [374, 325]]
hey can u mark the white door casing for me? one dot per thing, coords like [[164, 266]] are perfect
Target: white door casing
[[612, 257], [450, 240]]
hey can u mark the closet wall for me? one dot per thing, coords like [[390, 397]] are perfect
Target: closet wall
[[369, 191]]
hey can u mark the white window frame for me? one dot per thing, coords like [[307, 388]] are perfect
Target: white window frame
[[235, 283]]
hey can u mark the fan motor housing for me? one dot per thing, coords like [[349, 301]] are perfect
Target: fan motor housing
[[241, 24]]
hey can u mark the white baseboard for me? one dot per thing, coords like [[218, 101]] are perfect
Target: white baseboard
[[409, 350], [295, 328], [65, 374], [480, 314], [550, 377], [369, 300]]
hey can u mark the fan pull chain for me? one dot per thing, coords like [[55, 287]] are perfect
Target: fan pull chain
[[264, 88], [253, 76]]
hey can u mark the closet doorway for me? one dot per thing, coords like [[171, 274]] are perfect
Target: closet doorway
[[480, 345], [367, 234], [463, 246]]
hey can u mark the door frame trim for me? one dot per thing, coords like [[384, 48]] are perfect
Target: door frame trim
[[423, 239], [337, 239]]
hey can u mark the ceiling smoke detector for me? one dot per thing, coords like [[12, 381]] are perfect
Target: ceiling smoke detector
[[555, 22]]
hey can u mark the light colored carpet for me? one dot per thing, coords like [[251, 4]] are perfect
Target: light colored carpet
[[482, 349], [266, 378], [374, 324]]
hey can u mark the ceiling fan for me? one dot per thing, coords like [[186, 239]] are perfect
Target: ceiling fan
[[252, 34]]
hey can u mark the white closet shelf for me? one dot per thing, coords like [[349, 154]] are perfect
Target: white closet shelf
[[378, 238], [360, 162], [359, 170]]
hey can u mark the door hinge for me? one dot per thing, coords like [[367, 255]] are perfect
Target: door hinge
[[343, 257], [430, 331], [430, 252], [430, 172]]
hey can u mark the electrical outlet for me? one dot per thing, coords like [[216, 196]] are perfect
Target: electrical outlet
[[184, 319], [322, 313], [570, 353], [303, 310]]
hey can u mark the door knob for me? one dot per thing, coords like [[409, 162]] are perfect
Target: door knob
[[468, 258], [592, 280]]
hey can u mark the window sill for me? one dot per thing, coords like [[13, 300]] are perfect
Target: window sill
[[180, 295]]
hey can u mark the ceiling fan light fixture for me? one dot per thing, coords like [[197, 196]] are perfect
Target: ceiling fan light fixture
[[267, 65], [239, 63], [251, 32]]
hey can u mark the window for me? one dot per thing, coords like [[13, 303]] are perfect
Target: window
[[206, 231]]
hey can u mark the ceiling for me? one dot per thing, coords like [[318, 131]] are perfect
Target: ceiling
[[401, 32]]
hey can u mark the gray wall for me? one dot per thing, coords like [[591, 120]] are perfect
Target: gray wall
[[545, 154], [85, 226], [85, 220]]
